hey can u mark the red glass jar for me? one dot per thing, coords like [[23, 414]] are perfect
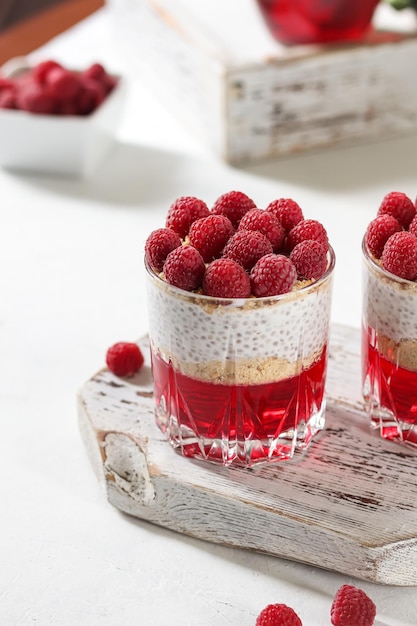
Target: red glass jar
[[318, 21]]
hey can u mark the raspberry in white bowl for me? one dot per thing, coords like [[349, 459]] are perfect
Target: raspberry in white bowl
[[389, 319], [238, 322], [57, 120]]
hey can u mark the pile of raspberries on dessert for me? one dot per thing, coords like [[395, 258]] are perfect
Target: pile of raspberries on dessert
[[391, 237], [50, 88], [235, 249]]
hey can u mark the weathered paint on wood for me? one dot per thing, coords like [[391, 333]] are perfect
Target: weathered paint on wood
[[348, 504], [250, 98]]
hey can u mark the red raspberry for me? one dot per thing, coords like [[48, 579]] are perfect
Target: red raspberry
[[68, 108], [234, 205], [63, 84], [399, 206], [42, 69], [91, 95], [246, 247], [310, 259], [110, 82], [352, 607], [183, 212], [7, 99], [210, 235], [6, 84], [266, 223], [307, 229], [95, 72], [158, 245], [124, 358], [379, 231], [224, 278], [413, 226], [287, 211], [184, 268], [400, 255], [278, 615], [35, 99], [272, 275]]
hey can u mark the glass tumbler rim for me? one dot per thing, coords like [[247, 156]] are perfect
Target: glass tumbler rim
[[383, 273], [239, 301]]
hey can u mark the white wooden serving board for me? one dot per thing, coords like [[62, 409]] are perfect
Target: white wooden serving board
[[348, 504]]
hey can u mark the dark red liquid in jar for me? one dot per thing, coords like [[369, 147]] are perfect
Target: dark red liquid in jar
[[227, 413], [395, 386], [318, 21]]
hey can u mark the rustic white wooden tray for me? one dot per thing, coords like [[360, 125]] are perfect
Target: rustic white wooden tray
[[348, 504]]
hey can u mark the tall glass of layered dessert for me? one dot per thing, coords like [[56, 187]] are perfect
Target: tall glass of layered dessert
[[389, 319], [239, 306]]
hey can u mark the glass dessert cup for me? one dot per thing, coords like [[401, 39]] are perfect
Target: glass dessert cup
[[389, 352], [239, 381], [318, 21]]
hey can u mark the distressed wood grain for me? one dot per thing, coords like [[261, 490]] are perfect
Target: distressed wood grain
[[348, 504]]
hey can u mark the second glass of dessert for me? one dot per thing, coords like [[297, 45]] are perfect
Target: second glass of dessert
[[239, 305], [389, 319]]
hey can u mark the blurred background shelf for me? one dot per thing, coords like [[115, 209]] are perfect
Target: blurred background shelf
[[249, 98]]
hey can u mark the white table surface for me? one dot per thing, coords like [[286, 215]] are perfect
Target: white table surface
[[71, 284]]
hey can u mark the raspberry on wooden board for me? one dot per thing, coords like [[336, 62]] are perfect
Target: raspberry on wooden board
[[124, 358]]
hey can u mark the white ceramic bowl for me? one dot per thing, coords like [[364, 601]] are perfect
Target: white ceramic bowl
[[56, 144]]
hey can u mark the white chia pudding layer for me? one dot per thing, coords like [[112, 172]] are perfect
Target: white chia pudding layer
[[250, 341], [390, 309], [391, 304]]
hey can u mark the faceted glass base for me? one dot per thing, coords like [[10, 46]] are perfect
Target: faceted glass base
[[384, 419], [232, 448], [245, 453]]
